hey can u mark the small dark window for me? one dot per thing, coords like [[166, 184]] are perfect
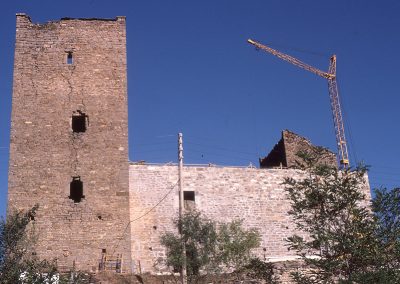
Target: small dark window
[[76, 189], [103, 250], [189, 199], [188, 195], [79, 121], [69, 58]]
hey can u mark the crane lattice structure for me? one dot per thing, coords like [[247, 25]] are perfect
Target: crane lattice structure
[[343, 156]]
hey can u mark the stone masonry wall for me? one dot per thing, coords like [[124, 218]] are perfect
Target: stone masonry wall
[[222, 193], [125, 208], [294, 144], [285, 152], [255, 195], [45, 153]]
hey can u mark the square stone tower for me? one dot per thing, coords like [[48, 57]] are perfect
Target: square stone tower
[[69, 138]]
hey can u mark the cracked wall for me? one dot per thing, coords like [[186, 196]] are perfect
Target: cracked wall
[[45, 154]]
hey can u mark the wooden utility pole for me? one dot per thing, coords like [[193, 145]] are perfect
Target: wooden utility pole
[[181, 205]]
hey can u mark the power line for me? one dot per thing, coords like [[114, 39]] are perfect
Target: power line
[[163, 149], [217, 147], [141, 216], [153, 144], [158, 203], [231, 157], [383, 167]]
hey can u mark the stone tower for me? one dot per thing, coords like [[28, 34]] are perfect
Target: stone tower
[[69, 138]]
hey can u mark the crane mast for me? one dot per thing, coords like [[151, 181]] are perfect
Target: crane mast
[[343, 155]]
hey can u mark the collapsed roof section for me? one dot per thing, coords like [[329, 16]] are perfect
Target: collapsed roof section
[[285, 152]]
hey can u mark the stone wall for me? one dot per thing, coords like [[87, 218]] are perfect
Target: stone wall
[[45, 153], [285, 152], [71, 67], [222, 193], [255, 195]]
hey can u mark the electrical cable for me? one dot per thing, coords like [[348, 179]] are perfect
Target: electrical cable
[[158, 203], [140, 217], [233, 158], [221, 148], [154, 144]]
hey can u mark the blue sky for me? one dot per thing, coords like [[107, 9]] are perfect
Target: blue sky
[[190, 70]]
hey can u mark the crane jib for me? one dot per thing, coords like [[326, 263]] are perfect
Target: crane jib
[[343, 156]]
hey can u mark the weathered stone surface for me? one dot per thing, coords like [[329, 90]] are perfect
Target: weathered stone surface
[[255, 195], [45, 154], [285, 152], [223, 194], [125, 208]]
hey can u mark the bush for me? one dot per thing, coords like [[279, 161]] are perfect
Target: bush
[[209, 250]]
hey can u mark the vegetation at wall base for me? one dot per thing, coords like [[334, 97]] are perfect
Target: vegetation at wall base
[[261, 270], [18, 260], [211, 248], [16, 254], [341, 238]]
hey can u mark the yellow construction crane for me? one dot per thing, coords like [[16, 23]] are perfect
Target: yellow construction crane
[[343, 155]]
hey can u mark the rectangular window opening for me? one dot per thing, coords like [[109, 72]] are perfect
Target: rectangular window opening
[[79, 121], [76, 189], [188, 196], [189, 199], [69, 58]]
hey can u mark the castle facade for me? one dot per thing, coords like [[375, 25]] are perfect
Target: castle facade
[[69, 154]]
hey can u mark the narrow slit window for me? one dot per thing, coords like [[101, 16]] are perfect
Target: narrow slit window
[[69, 58], [79, 121], [189, 199], [76, 189]]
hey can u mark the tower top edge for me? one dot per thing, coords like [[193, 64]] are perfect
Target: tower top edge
[[116, 19]]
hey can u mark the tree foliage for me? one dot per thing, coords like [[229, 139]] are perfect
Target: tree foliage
[[200, 237], [258, 269], [18, 260], [236, 244], [341, 239], [18, 263], [209, 249]]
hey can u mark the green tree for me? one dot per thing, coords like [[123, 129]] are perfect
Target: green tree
[[18, 260], [200, 236], [208, 250], [236, 244], [261, 270], [18, 263], [341, 238], [386, 213]]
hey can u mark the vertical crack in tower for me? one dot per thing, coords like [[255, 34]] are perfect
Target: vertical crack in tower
[[75, 172]]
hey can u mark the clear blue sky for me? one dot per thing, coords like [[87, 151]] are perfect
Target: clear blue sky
[[190, 70]]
